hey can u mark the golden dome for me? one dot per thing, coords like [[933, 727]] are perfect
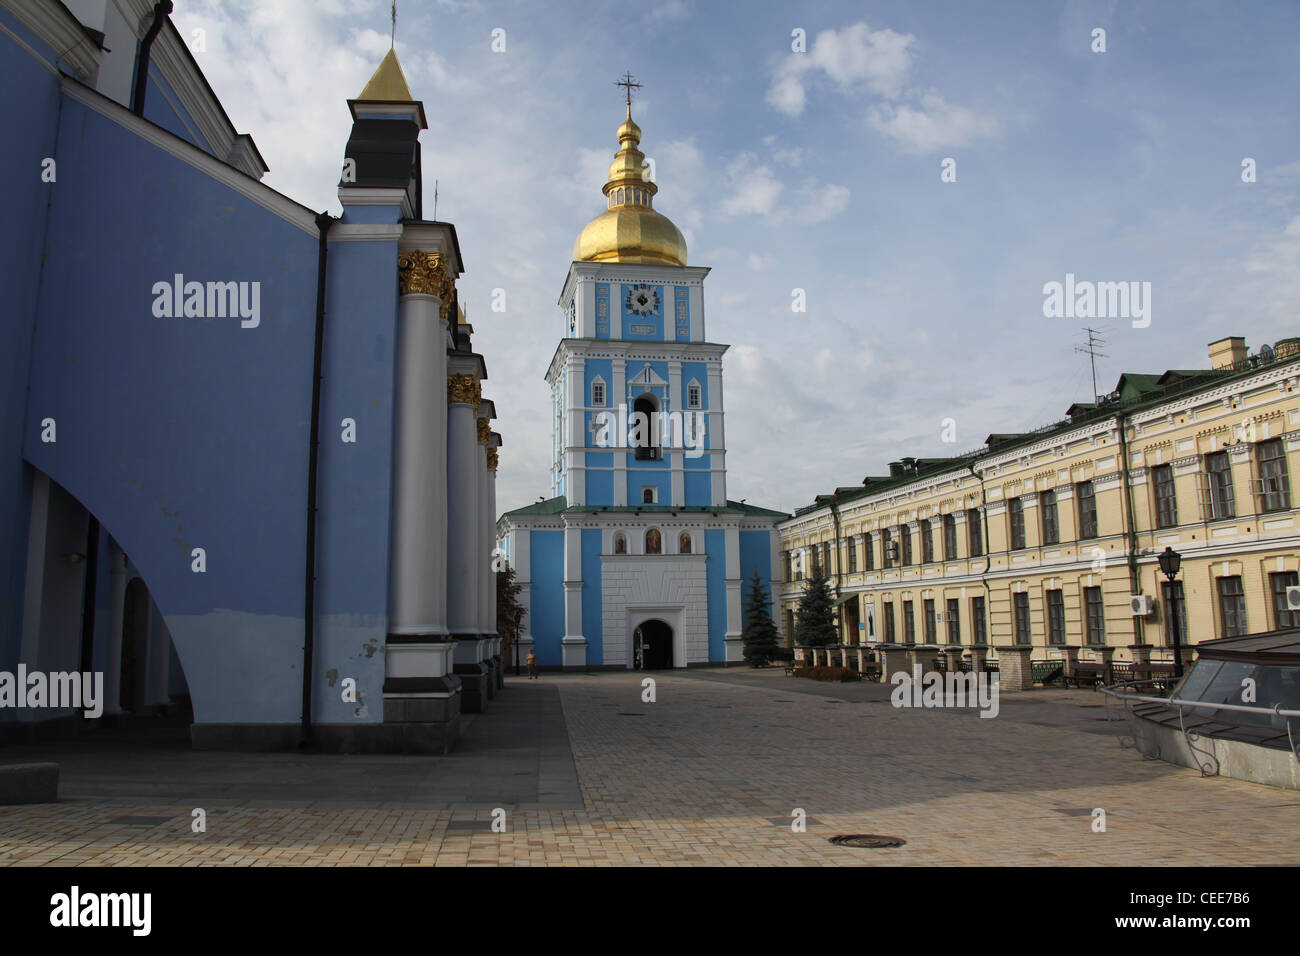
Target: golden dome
[[630, 230]]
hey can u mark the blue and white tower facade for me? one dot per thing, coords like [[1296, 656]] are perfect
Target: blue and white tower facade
[[638, 558]]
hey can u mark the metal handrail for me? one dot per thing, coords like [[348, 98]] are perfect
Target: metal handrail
[[1181, 702], [1209, 767]]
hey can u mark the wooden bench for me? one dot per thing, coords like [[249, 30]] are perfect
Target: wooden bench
[[1162, 673], [1089, 671]]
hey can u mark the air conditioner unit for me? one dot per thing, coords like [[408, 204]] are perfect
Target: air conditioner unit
[[1293, 598], [1141, 604]]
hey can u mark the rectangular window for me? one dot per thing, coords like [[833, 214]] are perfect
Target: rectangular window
[[886, 548], [785, 559], [974, 533], [853, 553], [1087, 509], [1016, 517], [1232, 606], [868, 552], [953, 619], [826, 557], [1056, 617], [1274, 485], [1162, 482], [931, 631], [1278, 583], [927, 542], [598, 393], [1172, 595], [949, 538], [1051, 523], [692, 396], [887, 608], [1021, 604], [1222, 501], [1096, 616], [909, 623], [905, 538], [979, 633]]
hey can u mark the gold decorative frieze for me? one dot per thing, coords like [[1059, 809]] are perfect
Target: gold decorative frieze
[[424, 273], [464, 390]]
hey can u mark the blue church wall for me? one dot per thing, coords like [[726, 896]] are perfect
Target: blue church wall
[[546, 557], [180, 433], [755, 555], [697, 487], [29, 113], [715, 576], [166, 111], [636, 480], [352, 524], [592, 625], [600, 487]]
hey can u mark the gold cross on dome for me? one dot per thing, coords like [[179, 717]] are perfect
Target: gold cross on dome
[[629, 83]]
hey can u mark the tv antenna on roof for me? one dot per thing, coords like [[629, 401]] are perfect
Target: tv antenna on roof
[[1093, 348]]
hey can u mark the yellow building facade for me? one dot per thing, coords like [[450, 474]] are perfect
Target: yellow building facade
[[1051, 538]]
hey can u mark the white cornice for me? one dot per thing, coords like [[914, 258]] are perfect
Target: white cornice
[[60, 30], [264, 196], [630, 272]]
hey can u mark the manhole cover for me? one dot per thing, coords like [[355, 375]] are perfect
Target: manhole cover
[[867, 841]]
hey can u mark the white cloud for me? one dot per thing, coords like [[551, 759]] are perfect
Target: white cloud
[[753, 187], [932, 125], [847, 57]]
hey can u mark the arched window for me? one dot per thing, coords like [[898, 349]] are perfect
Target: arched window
[[620, 543], [654, 542], [647, 496], [684, 543], [645, 434]]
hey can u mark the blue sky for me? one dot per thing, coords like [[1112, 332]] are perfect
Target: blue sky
[[821, 171]]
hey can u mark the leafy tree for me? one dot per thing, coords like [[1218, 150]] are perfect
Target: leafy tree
[[815, 626], [760, 638], [510, 613]]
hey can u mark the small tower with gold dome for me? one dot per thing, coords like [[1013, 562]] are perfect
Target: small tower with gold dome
[[637, 558]]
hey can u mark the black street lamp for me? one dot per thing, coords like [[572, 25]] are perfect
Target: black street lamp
[[1170, 561]]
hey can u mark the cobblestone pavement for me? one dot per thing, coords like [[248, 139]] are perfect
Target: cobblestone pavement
[[709, 773]]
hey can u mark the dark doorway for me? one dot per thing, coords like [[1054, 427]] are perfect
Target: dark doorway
[[653, 645], [135, 646]]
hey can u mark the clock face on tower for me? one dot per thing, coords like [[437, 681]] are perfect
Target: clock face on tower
[[643, 300]]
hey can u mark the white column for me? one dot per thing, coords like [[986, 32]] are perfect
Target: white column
[[576, 440], [717, 437], [417, 653], [731, 571], [113, 646], [490, 536], [417, 591], [463, 451], [619, 397], [573, 644]]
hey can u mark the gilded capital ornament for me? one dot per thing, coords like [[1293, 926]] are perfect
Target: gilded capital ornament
[[423, 273], [492, 459], [484, 430], [464, 390]]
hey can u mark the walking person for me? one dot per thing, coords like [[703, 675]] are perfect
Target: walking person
[[531, 661]]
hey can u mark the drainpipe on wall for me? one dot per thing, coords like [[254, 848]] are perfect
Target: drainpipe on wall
[[1130, 525], [839, 565], [161, 11], [988, 560], [323, 223]]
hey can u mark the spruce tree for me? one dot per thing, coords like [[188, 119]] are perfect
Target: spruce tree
[[816, 624], [759, 638]]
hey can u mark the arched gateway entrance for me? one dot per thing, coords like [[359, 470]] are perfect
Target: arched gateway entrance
[[652, 646]]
